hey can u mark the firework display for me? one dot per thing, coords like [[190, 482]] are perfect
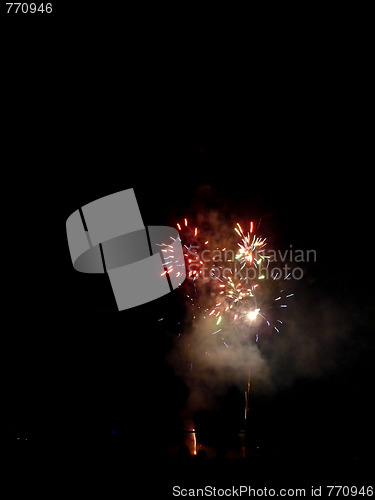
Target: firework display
[[235, 299], [227, 287]]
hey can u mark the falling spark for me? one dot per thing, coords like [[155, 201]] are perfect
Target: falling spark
[[194, 443]]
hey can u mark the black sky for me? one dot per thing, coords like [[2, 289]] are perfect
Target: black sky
[[80, 125]]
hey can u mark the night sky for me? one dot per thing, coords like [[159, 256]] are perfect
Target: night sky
[[77, 371]]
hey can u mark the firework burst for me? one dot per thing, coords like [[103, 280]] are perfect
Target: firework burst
[[244, 303], [231, 299], [193, 247], [251, 248]]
